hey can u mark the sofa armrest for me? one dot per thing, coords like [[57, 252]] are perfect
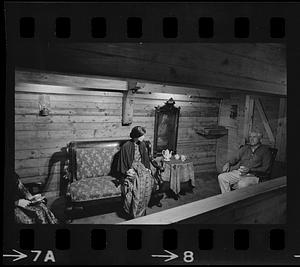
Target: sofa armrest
[[67, 172], [67, 176]]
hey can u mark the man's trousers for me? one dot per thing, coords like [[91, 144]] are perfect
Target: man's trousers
[[233, 178]]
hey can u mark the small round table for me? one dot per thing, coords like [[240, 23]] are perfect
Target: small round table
[[176, 172]]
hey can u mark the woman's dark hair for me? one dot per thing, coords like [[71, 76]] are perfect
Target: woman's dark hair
[[137, 132]]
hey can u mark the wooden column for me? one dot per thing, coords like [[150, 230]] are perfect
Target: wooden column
[[222, 143], [128, 102], [281, 131], [248, 119], [265, 120]]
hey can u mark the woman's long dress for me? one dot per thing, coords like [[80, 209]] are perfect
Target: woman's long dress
[[137, 190], [31, 214]]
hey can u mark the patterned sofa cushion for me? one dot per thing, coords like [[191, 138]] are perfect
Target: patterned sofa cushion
[[94, 162], [94, 188]]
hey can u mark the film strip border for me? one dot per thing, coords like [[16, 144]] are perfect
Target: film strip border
[[153, 245], [169, 26], [169, 239], [155, 22], [158, 23]]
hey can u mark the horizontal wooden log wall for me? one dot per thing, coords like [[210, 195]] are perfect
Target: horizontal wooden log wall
[[84, 114]]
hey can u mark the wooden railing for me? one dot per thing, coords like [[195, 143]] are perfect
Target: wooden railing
[[262, 203]]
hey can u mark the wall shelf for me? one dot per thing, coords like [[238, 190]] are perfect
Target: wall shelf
[[212, 132]]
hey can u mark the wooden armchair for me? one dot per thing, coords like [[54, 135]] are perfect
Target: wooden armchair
[[34, 187], [264, 176]]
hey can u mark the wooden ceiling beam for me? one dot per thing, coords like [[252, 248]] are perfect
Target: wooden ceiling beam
[[77, 81]]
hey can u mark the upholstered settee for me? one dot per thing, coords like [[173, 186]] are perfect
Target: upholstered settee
[[91, 170]]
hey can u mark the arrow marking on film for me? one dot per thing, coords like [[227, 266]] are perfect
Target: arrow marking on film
[[18, 256], [170, 256]]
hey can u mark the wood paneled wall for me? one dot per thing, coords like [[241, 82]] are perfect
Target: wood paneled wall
[[78, 113]]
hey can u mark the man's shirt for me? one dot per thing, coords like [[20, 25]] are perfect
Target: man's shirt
[[257, 161]]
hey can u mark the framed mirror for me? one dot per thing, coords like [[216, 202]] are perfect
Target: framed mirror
[[166, 128]]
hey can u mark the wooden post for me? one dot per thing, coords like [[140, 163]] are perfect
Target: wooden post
[[248, 118], [128, 102], [281, 131], [265, 120], [222, 143]]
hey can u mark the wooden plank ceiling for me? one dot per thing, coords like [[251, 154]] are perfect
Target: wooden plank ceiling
[[259, 68]]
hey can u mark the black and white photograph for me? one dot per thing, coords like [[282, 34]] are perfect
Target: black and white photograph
[[150, 133]]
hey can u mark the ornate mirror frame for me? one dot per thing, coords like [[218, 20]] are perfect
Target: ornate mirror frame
[[166, 128]]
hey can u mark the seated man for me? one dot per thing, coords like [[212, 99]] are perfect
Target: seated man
[[251, 159]]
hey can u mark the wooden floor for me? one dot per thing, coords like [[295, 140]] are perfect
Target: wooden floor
[[206, 186]]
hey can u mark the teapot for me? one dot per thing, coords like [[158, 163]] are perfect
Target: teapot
[[167, 154]]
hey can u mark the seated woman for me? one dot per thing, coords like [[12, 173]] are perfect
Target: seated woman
[[137, 182], [30, 209]]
